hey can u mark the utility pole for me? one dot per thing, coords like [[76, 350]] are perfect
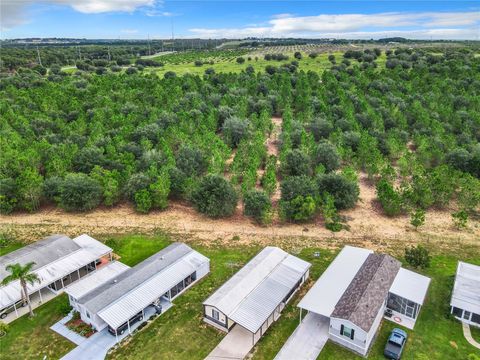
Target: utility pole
[[39, 58]]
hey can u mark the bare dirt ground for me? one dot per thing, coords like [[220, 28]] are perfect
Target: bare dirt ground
[[368, 227]]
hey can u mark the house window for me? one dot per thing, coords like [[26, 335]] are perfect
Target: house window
[[216, 314], [457, 312], [476, 318], [347, 332], [466, 315]]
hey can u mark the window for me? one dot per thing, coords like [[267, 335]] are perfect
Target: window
[[88, 315], [216, 314], [466, 315], [347, 332], [476, 318], [457, 312], [402, 305]]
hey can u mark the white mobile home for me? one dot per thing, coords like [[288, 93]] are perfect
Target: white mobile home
[[157, 280], [465, 303], [255, 296], [59, 261], [357, 290]]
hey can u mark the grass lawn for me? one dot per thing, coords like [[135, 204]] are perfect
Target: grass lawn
[[181, 334], [31, 338]]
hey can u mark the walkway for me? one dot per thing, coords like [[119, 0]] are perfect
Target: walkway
[[234, 346], [307, 340], [96, 346], [468, 336], [61, 329]]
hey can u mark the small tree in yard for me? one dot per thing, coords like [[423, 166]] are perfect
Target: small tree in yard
[[417, 218], [240, 60], [330, 215], [417, 256], [389, 198], [258, 205], [79, 192], [24, 275], [215, 197], [301, 208], [460, 219]]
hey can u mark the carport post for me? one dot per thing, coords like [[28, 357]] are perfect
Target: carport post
[[300, 315], [61, 280], [116, 335], [128, 323], [143, 314], [40, 293], [15, 308], [78, 272]]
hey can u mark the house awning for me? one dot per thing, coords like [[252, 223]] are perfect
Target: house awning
[[329, 288], [410, 285], [124, 308], [466, 290]]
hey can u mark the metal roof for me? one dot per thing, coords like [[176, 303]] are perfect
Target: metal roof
[[55, 269], [329, 288], [253, 293], [466, 290], [411, 286], [368, 290], [42, 252], [93, 280], [181, 261]]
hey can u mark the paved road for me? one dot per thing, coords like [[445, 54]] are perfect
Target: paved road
[[307, 340], [234, 346]]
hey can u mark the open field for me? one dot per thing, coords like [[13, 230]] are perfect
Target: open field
[[181, 334]]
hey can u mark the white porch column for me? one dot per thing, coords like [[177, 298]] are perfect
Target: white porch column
[[78, 272], [116, 335], [61, 280], [129, 330], [40, 293], [300, 315], [15, 308]]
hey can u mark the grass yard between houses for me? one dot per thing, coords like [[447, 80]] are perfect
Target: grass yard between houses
[[181, 334]]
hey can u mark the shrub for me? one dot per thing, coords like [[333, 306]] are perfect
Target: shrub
[[8, 195], [135, 183], [321, 128], [191, 161], [257, 204], [240, 60], [330, 215], [143, 201], [198, 63], [460, 219], [389, 198], [296, 163], [159, 191], [345, 192], [79, 192], [177, 182], [52, 187], [297, 55], [215, 197], [87, 158], [326, 154], [417, 256], [298, 192], [234, 130], [417, 218]]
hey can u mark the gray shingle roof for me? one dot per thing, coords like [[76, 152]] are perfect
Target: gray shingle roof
[[107, 293], [42, 252], [368, 290]]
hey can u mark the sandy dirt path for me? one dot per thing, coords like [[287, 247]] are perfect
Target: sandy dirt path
[[368, 227]]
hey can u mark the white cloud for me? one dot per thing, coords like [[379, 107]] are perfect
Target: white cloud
[[12, 13], [129, 31], [421, 25], [156, 12], [102, 6]]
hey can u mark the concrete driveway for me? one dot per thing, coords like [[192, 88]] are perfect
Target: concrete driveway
[[308, 339], [234, 346]]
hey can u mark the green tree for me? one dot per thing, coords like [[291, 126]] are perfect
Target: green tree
[[329, 212], [215, 197], [257, 204], [296, 163], [301, 208], [417, 256], [160, 190], [326, 154], [79, 192], [417, 218], [389, 198], [234, 129], [345, 192], [143, 201], [24, 274]]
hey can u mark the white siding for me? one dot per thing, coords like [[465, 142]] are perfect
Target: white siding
[[359, 342]]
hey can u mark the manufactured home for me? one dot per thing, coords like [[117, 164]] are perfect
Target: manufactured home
[[58, 262], [353, 295], [255, 296], [138, 292], [465, 303]]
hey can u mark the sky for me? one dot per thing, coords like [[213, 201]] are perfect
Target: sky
[[142, 19]]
